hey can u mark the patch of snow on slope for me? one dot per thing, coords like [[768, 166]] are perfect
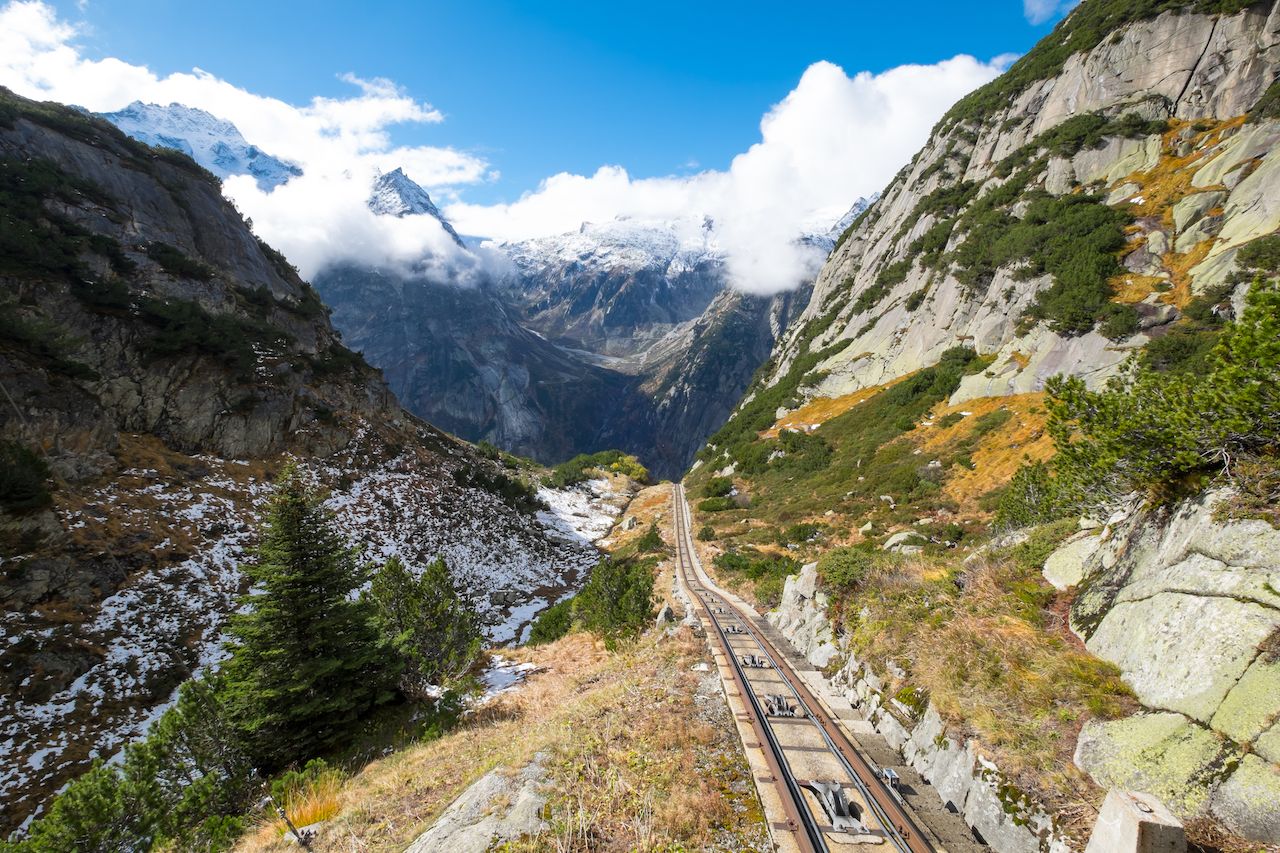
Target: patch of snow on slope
[[581, 513]]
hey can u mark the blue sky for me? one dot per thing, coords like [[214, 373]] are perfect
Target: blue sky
[[526, 121], [538, 88]]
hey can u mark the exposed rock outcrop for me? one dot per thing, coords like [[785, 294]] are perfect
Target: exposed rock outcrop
[[1188, 608], [1198, 192]]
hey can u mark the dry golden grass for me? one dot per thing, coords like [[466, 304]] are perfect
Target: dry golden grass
[[628, 747], [999, 454], [314, 801], [824, 409], [997, 663], [1131, 288], [1160, 189]]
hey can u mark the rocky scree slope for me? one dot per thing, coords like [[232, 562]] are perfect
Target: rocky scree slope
[[159, 364], [1061, 217]]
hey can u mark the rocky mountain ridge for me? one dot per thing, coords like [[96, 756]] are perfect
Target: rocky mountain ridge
[[160, 364], [1152, 121], [1089, 206]]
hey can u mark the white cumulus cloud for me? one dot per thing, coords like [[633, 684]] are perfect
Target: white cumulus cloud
[[833, 138], [340, 143]]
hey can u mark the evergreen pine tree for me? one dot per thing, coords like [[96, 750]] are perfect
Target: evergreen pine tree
[[429, 625], [306, 662]]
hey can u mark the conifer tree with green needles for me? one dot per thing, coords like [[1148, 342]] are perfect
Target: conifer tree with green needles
[[306, 659]]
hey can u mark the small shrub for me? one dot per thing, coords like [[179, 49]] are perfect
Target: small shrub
[[552, 623], [847, 568], [717, 487], [618, 601], [716, 505], [707, 533], [650, 541], [579, 468]]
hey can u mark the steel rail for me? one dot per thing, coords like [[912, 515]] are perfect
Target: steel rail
[[800, 820], [899, 828]]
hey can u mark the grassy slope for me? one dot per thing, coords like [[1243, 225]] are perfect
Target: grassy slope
[[640, 750], [985, 640]]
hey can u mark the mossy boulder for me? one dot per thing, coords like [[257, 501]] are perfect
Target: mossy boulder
[[1164, 754]]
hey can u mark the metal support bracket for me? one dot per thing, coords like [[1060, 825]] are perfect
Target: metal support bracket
[[844, 815]]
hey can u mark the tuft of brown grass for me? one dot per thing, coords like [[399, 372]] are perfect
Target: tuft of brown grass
[[1131, 288], [312, 801], [984, 641], [630, 741]]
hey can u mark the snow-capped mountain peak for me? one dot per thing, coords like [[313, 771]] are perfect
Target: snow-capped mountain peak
[[214, 143], [396, 194], [851, 214]]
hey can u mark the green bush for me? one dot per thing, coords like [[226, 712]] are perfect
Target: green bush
[[618, 601], [798, 534], [716, 505], [707, 533], [430, 627], [803, 452], [845, 569], [513, 491], [183, 328], [651, 541], [1072, 238], [717, 487], [768, 573], [176, 264], [579, 468], [1162, 433], [23, 479], [552, 623]]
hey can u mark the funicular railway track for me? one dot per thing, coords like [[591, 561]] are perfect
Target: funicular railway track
[[831, 797]]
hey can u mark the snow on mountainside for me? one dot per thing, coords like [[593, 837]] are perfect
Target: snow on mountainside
[[673, 245], [212, 142], [851, 214], [396, 194]]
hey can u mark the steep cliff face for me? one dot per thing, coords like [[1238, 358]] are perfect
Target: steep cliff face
[[620, 336], [615, 288], [455, 356], [1113, 137], [158, 365]]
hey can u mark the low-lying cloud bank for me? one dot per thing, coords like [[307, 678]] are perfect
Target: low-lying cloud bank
[[833, 138]]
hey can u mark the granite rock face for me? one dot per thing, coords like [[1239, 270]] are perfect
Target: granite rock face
[[1187, 68], [1186, 606]]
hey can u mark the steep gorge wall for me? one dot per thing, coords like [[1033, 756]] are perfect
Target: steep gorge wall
[[892, 290]]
